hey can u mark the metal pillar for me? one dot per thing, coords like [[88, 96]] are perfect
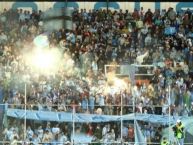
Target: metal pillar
[[25, 96]]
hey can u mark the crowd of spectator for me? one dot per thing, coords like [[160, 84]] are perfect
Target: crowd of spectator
[[100, 37], [61, 133]]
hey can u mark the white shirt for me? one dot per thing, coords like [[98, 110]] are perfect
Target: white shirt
[[30, 133], [104, 131], [55, 130], [62, 140], [22, 16]]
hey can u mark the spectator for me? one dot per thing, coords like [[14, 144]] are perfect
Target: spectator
[[99, 38], [131, 134]]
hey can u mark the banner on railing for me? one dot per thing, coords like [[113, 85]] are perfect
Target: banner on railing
[[60, 116], [80, 117]]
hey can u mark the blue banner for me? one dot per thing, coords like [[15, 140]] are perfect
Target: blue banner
[[60, 116], [80, 117]]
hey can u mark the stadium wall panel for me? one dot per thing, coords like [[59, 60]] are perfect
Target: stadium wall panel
[[97, 5]]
